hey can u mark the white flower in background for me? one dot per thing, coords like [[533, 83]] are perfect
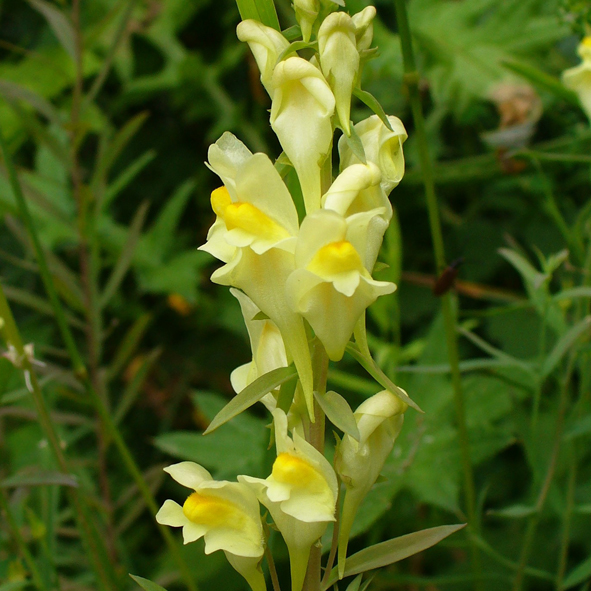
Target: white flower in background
[[225, 514], [579, 77], [255, 234], [266, 45], [331, 288], [300, 494], [382, 147], [359, 463], [301, 112], [339, 60]]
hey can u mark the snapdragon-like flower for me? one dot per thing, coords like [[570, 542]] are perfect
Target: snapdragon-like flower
[[301, 112], [268, 349], [300, 495], [382, 146], [225, 514], [359, 463], [339, 60], [266, 45], [579, 77], [331, 288], [358, 196], [255, 234]]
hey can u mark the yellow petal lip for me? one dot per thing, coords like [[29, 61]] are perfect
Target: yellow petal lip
[[212, 511], [335, 258], [220, 199], [295, 471]]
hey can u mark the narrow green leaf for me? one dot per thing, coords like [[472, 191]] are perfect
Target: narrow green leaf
[[394, 550], [24, 298], [251, 394], [127, 253], [259, 10], [338, 411], [59, 23], [377, 374], [119, 141], [513, 512], [533, 279], [355, 583], [129, 344], [127, 176], [355, 144], [369, 100], [146, 584], [575, 292], [15, 92], [578, 575], [295, 47], [543, 80], [564, 344], [132, 389], [292, 33], [14, 585], [39, 478]]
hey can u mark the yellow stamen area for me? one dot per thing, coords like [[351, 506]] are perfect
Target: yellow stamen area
[[248, 217], [212, 511], [586, 42], [334, 258], [289, 469], [245, 216], [220, 199]]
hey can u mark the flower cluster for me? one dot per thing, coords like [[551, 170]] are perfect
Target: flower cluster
[[297, 280]]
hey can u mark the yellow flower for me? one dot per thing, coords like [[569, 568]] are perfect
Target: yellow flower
[[255, 234], [225, 514], [300, 495], [579, 77], [331, 288]]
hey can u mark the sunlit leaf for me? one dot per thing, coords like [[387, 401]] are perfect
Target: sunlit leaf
[[146, 584], [338, 411], [251, 394], [393, 551]]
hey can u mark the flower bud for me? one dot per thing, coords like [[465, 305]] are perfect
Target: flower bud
[[301, 112], [266, 45], [359, 463], [306, 12], [382, 147], [339, 60], [363, 22]]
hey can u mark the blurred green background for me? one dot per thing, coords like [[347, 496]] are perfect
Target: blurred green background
[[108, 122]]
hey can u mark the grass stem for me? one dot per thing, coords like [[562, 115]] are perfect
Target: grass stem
[[411, 79]]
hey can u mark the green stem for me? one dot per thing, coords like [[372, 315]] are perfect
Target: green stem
[[411, 79], [548, 478], [22, 546], [80, 369], [101, 564], [566, 521], [315, 436]]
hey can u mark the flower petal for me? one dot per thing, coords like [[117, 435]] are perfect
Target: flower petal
[[188, 474], [171, 514]]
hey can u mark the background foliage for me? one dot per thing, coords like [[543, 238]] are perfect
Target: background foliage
[[119, 196]]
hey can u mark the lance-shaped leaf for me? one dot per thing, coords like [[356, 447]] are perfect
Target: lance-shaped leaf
[[251, 394], [393, 551]]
